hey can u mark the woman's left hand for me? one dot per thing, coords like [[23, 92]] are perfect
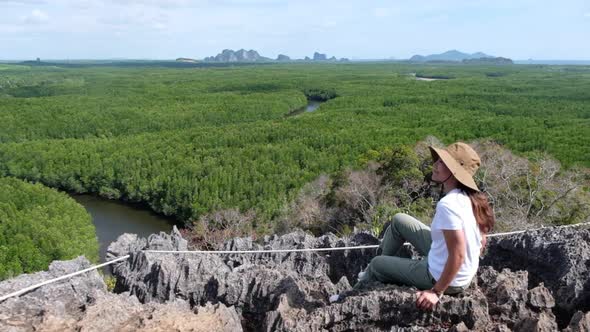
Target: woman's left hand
[[426, 300]]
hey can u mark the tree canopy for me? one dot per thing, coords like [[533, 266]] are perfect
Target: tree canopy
[[193, 141], [39, 225]]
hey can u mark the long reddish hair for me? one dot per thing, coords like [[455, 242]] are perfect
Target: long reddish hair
[[482, 210]]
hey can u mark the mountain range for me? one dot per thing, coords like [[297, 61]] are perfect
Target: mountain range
[[237, 56], [452, 55], [242, 55]]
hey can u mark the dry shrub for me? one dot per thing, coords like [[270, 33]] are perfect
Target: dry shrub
[[334, 204], [307, 211], [356, 199], [527, 193], [211, 230]]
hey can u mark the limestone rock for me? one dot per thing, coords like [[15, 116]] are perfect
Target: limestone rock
[[558, 257], [83, 304], [125, 313], [540, 297], [580, 322], [383, 305], [56, 306], [527, 282], [290, 291]]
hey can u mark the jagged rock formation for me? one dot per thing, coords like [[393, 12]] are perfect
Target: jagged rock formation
[[237, 56], [323, 57], [535, 281], [558, 257], [253, 56], [83, 304]]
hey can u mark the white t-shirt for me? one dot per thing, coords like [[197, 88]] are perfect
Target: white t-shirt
[[454, 212]]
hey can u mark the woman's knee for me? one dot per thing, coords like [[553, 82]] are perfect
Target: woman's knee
[[373, 269], [378, 263], [399, 218], [382, 268]]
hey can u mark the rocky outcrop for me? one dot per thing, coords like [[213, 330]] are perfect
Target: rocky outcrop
[[512, 304], [237, 56], [253, 284], [56, 304], [535, 281], [82, 303], [112, 312], [580, 322], [558, 257]]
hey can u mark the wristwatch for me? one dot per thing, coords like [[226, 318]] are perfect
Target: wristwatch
[[439, 294]]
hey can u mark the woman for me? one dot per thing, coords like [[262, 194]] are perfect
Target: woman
[[453, 244]]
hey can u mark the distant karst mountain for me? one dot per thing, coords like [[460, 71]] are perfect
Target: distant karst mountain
[[186, 60], [322, 57], [319, 57], [253, 56], [452, 55], [282, 57], [488, 61], [237, 56]]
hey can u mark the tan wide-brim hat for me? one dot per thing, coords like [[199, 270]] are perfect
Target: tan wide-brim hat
[[461, 160]]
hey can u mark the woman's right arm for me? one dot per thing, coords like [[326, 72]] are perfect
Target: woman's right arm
[[484, 241]]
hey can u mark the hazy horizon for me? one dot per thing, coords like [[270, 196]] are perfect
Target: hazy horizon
[[169, 29]]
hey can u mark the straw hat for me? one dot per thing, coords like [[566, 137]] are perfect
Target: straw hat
[[461, 160]]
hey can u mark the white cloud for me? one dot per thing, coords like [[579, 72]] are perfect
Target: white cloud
[[35, 17]]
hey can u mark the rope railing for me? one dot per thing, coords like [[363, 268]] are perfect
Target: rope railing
[[269, 251], [537, 229], [122, 258], [30, 288]]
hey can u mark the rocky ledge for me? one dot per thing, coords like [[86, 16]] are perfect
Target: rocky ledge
[[534, 281]]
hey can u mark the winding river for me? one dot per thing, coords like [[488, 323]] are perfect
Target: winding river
[[112, 218]]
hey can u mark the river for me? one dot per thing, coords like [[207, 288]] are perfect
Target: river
[[311, 106], [113, 218]]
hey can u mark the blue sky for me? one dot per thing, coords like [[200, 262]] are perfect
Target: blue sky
[[167, 29]]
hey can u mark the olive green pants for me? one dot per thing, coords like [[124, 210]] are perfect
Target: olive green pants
[[388, 268]]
